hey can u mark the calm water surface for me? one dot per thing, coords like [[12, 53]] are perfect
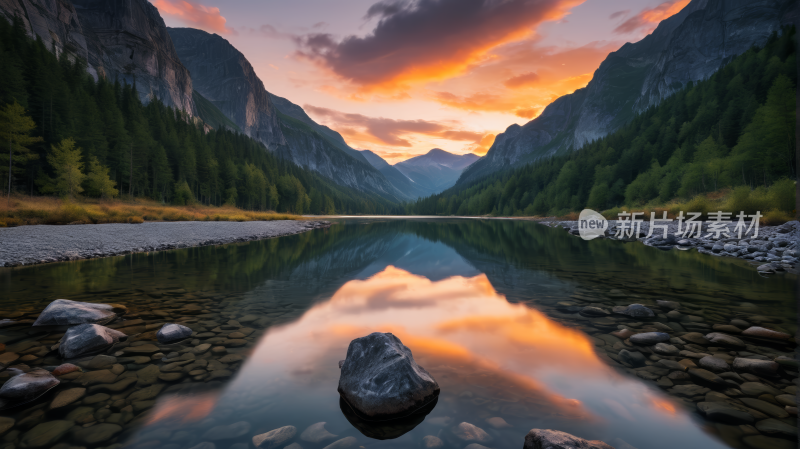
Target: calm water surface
[[477, 302]]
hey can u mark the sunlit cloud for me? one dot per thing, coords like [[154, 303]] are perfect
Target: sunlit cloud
[[385, 131], [426, 40], [193, 14], [647, 20], [523, 80]]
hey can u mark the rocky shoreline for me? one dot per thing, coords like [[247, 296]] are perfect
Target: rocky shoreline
[[773, 250], [28, 245]]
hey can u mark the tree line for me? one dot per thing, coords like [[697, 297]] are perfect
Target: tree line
[[58, 121], [736, 128]]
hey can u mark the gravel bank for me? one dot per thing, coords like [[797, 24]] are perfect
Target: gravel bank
[[27, 245], [774, 249]]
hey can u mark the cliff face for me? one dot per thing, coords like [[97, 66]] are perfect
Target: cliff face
[[124, 39], [687, 47], [224, 76]]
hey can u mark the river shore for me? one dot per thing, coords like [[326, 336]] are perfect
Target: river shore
[[28, 245]]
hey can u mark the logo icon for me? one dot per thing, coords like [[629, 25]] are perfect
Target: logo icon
[[591, 224]]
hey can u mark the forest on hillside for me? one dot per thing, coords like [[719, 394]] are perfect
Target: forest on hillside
[[735, 130], [143, 150]]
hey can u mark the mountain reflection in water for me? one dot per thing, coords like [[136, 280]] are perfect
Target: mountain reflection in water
[[490, 357]]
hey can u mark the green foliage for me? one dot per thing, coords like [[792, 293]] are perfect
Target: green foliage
[[15, 129], [148, 149], [183, 194], [98, 183], [734, 130], [65, 160]]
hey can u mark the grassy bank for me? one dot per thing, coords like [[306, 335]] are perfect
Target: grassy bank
[[56, 211]]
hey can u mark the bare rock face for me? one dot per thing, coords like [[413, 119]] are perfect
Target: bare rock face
[[86, 339], [224, 76], [63, 312], [128, 39], [554, 439], [380, 379], [687, 47]]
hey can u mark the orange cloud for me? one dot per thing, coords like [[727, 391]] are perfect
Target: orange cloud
[[194, 14], [648, 19], [427, 40], [385, 131], [524, 80]]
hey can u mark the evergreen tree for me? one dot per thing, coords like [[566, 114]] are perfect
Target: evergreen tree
[[15, 129], [66, 162], [98, 183]]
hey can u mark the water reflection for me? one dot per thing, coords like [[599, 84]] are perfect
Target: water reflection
[[492, 359]]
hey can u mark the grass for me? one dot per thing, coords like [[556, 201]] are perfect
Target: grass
[[57, 211], [776, 204]]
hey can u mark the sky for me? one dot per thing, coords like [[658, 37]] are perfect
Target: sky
[[400, 77]]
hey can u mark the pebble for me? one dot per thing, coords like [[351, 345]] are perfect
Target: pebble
[[590, 311], [722, 412], [228, 432], [344, 443], [726, 340], [66, 397], [765, 407], [756, 389], [96, 434], [713, 364], [469, 433], [276, 437], [46, 434], [665, 349], [432, 442], [316, 433], [766, 368], [649, 338], [764, 442], [633, 358], [761, 332], [773, 427], [498, 422]]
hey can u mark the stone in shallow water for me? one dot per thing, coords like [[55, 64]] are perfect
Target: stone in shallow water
[[696, 338], [63, 312], [689, 390], [775, 428], [275, 438], [634, 311], [649, 338], [718, 338], [665, 349], [590, 311], [66, 368], [722, 412], [668, 304], [432, 442], [765, 407], [26, 387], [713, 364], [633, 358], [498, 422], [766, 368], [554, 439], [45, 434], [764, 442], [344, 443], [316, 433], [172, 332], [470, 433], [756, 331], [96, 434], [67, 397], [381, 380], [87, 338], [706, 377]]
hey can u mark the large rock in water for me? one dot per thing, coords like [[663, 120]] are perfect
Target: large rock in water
[[63, 312], [171, 333], [26, 387], [555, 439], [86, 339], [380, 379]]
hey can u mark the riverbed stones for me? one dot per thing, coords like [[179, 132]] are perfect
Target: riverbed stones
[[344, 443], [173, 333], [274, 438], [649, 338], [316, 433], [65, 368], [696, 338], [666, 349], [725, 413], [470, 433], [765, 407], [87, 338], [634, 311], [67, 397], [555, 439], [591, 312], [773, 427], [45, 434], [63, 312], [227, 432], [432, 442], [766, 368], [713, 364], [688, 390], [728, 341], [96, 434], [756, 331], [380, 379], [706, 377], [633, 358], [26, 387], [756, 389]]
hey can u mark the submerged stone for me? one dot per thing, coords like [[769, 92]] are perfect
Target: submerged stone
[[26, 387], [87, 338], [63, 312], [171, 333], [634, 311], [649, 338], [554, 439]]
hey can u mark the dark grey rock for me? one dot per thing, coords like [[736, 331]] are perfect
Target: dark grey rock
[[634, 311], [714, 364], [172, 332], [274, 438], [633, 358], [63, 312], [86, 339], [26, 387], [555, 439], [773, 427], [766, 368], [723, 412], [649, 338], [380, 379], [665, 349], [726, 340], [590, 311]]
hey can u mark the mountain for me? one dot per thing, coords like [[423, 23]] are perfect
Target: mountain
[[436, 170], [398, 179], [226, 78], [120, 39], [685, 48]]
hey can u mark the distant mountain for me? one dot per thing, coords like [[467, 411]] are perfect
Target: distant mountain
[[687, 47], [437, 170], [224, 76], [398, 179]]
